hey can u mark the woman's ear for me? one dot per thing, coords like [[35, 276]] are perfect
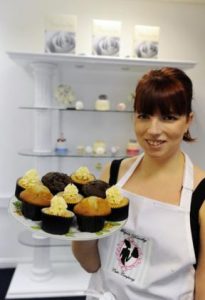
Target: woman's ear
[[190, 118]]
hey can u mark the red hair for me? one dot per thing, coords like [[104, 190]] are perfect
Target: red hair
[[167, 91]]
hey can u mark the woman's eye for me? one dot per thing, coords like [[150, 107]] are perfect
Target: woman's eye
[[170, 118], [142, 116]]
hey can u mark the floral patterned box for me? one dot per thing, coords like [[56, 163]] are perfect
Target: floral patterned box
[[60, 33], [106, 37]]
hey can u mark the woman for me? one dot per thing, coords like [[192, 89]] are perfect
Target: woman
[[162, 246]]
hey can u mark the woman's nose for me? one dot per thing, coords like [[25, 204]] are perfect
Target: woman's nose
[[155, 126]]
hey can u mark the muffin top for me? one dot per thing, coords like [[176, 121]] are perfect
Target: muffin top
[[58, 207], [56, 181], [30, 178], [82, 175], [37, 195], [115, 198], [95, 188], [92, 206]]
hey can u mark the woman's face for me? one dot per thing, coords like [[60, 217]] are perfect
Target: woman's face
[[161, 135]]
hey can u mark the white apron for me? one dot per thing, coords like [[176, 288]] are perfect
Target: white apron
[[152, 257]]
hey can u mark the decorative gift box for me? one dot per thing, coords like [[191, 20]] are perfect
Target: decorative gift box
[[146, 41], [106, 37], [60, 33]]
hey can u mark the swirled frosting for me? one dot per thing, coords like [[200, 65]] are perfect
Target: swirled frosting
[[83, 174], [71, 194], [58, 207], [30, 178], [114, 196]]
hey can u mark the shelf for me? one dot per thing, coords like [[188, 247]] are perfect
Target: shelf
[[69, 154], [74, 110], [97, 62]]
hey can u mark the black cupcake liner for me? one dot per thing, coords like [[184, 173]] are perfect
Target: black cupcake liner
[[18, 190], [90, 223], [31, 211], [118, 213], [56, 224]]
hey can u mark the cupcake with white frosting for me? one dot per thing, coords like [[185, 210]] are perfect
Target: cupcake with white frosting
[[56, 219], [118, 203], [29, 179], [71, 195], [82, 176]]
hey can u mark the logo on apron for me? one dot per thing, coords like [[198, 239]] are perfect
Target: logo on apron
[[130, 255]]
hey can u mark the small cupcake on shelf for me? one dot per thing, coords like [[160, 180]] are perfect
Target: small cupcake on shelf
[[91, 213], [102, 103], [118, 204], [71, 196], [56, 219], [30, 178], [61, 145], [81, 176], [34, 198], [133, 148]]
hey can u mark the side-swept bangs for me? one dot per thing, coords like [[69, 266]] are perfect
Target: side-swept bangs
[[162, 94]]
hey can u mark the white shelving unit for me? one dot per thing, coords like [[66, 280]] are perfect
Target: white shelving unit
[[44, 68]]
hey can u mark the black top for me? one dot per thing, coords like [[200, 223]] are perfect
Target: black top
[[198, 198]]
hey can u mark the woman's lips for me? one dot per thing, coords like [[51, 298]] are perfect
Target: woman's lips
[[155, 143]]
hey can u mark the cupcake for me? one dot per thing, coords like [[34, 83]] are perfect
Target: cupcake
[[56, 219], [56, 181], [82, 176], [118, 204], [91, 213], [95, 188], [34, 198], [71, 195], [30, 178]]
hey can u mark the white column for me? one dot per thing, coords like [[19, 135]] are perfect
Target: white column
[[41, 268], [43, 76]]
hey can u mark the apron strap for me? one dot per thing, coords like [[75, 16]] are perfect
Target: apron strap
[[129, 172], [187, 188]]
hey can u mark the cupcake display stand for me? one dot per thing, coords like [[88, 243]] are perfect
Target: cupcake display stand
[[43, 278]]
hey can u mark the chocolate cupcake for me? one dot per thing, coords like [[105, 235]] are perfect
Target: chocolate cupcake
[[119, 204], [95, 188], [56, 219], [56, 181], [33, 199], [81, 176], [91, 213]]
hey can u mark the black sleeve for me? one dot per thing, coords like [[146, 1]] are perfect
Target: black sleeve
[[198, 198], [114, 170]]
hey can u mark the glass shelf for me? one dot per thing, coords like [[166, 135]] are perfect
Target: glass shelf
[[69, 154], [75, 110]]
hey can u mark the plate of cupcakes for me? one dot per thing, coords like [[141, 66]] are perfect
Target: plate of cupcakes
[[69, 207]]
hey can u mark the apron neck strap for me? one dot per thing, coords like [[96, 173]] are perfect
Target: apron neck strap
[[124, 178], [187, 188]]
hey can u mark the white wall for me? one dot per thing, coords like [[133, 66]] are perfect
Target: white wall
[[21, 29]]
